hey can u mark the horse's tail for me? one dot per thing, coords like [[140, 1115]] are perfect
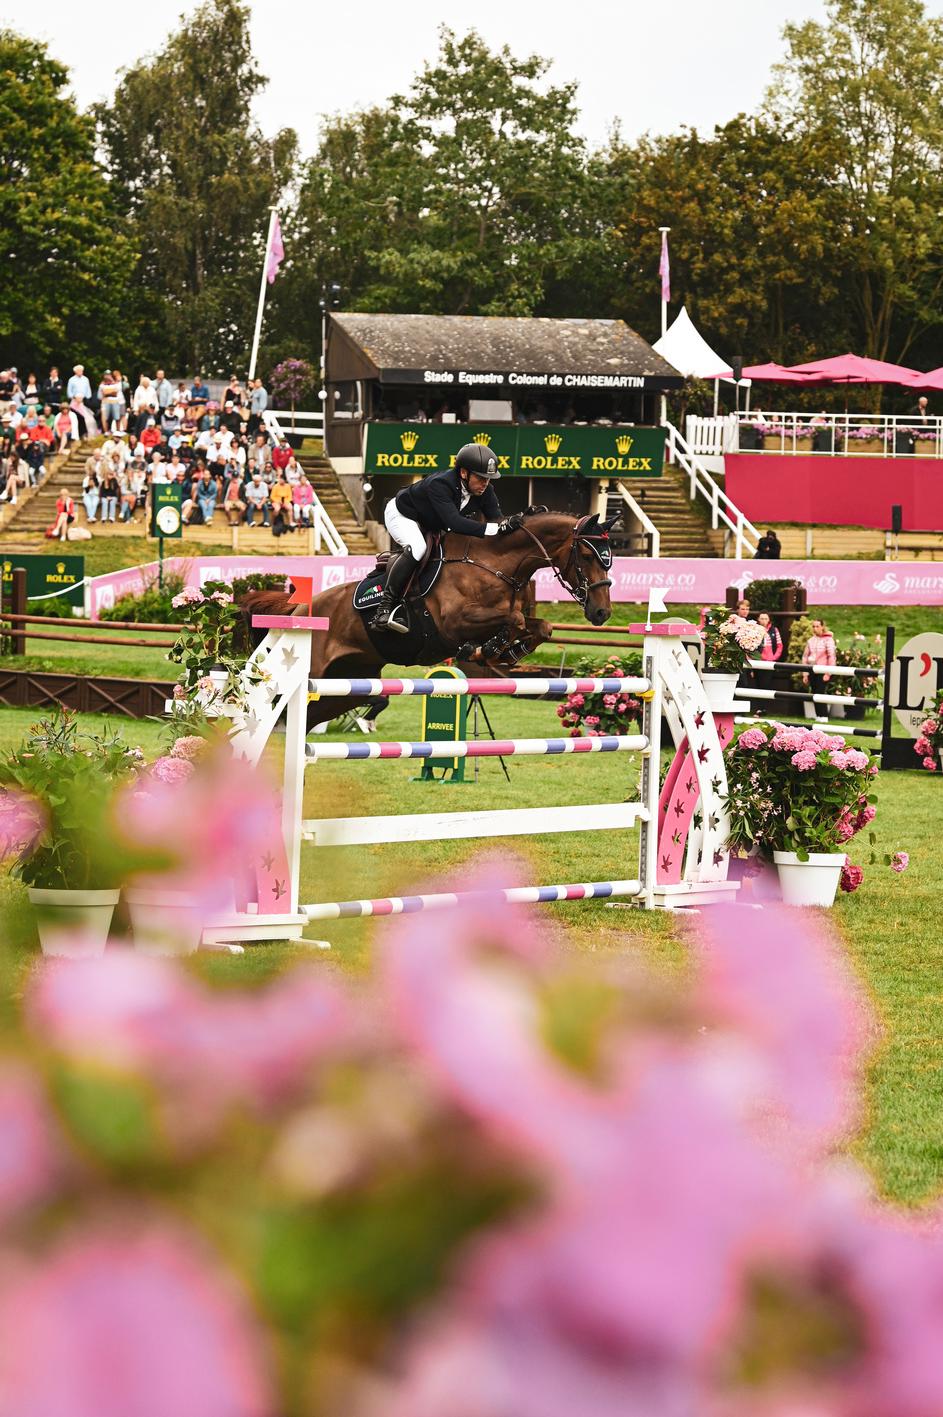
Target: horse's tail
[[259, 602]]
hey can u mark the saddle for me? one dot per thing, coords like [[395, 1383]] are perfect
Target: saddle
[[369, 590]]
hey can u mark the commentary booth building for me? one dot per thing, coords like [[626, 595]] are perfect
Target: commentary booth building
[[567, 406]]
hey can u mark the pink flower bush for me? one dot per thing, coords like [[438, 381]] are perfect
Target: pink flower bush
[[929, 744], [129, 1321], [900, 861]]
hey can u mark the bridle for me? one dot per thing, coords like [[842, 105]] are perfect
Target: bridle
[[572, 578]]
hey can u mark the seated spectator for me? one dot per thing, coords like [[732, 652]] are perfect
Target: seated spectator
[[65, 427], [281, 454], [773, 641], [91, 487], [769, 547], [65, 516], [302, 498], [150, 437], [292, 471], [256, 495], [52, 387], [144, 405], [258, 455], [230, 418], [234, 504], [280, 497], [176, 467], [205, 492], [31, 391], [199, 393], [170, 420], [110, 491], [158, 470]]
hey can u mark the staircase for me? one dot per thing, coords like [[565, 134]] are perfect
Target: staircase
[[327, 485], [683, 529], [35, 511]]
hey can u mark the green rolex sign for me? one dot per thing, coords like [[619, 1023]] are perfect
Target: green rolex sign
[[166, 503], [531, 450], [48, 576]]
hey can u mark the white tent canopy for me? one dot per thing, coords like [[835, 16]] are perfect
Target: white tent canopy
[[687, 349]]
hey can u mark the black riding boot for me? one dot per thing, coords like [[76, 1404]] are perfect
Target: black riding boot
[[396, 577]]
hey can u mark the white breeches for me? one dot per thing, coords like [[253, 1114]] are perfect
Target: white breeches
[[404, 530]]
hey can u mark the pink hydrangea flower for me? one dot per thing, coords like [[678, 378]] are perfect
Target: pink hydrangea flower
[[856, 759], [930, 764], [172, 770], [119, 1322], [851, 876], [752, 738], [179, 692], [561, 711], [805, 760], [837, 758], [221, 597], [845, 828], [609, 700], [189, 596], [922, 747], [190, 747], [576, 700], [592, 720], [900, 861]]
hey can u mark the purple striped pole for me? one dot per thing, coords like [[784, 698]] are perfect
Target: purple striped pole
[[516, 895], [523, 688], [482, 748]]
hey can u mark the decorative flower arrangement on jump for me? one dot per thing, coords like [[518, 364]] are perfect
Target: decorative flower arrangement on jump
[[796, 789], [729, 640], [857, 655], [603, 715], [211, 649], [929, 745]]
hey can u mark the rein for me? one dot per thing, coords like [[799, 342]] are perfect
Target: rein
[[579, 592]]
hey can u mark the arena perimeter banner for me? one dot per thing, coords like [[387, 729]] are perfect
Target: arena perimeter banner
[[525, 450], [684, 581]]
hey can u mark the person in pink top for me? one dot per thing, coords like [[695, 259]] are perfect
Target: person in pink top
[[773, 643], [820, 649], [302, 501]]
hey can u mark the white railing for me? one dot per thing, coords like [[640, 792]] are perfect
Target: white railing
[[641, 516], [325, 532], [832, 434], [307, 423], [711, 437], [703, 485]]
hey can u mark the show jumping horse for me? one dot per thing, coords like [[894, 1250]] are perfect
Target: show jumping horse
[[477, 603]]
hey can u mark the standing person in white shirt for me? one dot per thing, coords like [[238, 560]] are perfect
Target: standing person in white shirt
[[143, 404], [79, 391], [164, 390]]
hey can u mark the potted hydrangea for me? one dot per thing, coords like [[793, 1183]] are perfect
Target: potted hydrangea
[[729, 641], [929, 745], [603, 715], [795, 797], [56, 795], [208, 647]]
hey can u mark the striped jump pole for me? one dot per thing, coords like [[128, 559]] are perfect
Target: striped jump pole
[[799, 697], [531, 688], [836, 671], [516, 895], [835, 725], [480, 748]]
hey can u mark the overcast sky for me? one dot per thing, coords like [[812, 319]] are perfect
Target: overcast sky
[[652, 64]]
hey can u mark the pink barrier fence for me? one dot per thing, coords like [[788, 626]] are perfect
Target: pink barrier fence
[[684, 580]]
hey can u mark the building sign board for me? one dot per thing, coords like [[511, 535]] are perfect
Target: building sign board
[[522, 380], [528, 450]]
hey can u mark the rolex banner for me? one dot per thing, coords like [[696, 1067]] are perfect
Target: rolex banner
[[531, 450]]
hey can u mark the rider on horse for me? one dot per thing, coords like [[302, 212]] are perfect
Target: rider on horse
[[439, 503]]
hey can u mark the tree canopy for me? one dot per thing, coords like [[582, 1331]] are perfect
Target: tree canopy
[[811, 225]]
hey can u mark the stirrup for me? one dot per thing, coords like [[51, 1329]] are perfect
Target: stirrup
[[399, 627]]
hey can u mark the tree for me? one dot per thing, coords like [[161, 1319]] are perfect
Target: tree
[[68, 257], [867, 85], [196, 178], [465, 196], [752, 232]]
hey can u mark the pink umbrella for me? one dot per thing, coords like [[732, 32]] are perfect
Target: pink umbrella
[[775, 374], [933, 380], [853, 369]]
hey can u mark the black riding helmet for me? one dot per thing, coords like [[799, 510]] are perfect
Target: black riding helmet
[[477, 457]]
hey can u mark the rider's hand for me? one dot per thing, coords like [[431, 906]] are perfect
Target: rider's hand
[[509, 524], [492, 528]]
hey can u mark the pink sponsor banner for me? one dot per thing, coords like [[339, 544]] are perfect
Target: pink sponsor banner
[[684, 580]]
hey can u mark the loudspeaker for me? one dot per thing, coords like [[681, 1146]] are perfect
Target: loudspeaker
[[897, 519], [736, 366]]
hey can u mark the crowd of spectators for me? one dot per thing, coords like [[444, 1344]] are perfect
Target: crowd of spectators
[[219, 450]]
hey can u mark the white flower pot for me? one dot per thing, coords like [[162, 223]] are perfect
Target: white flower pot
[[812, 882], [721, 690], [73, 924], [163, 922]]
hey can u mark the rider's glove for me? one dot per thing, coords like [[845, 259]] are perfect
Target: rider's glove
[[512, 523], [492, 528]]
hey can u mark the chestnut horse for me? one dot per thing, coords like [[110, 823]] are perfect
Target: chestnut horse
[[477, 604]]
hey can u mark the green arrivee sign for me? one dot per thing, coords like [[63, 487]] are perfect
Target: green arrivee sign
[[48, 575], [531, 450]]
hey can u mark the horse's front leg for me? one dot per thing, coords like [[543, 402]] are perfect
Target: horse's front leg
[[473, 625]]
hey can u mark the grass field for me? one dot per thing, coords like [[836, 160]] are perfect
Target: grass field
[[891, 926]]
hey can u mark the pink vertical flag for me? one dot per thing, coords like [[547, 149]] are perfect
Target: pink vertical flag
[[664, 269], [276, 251]]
